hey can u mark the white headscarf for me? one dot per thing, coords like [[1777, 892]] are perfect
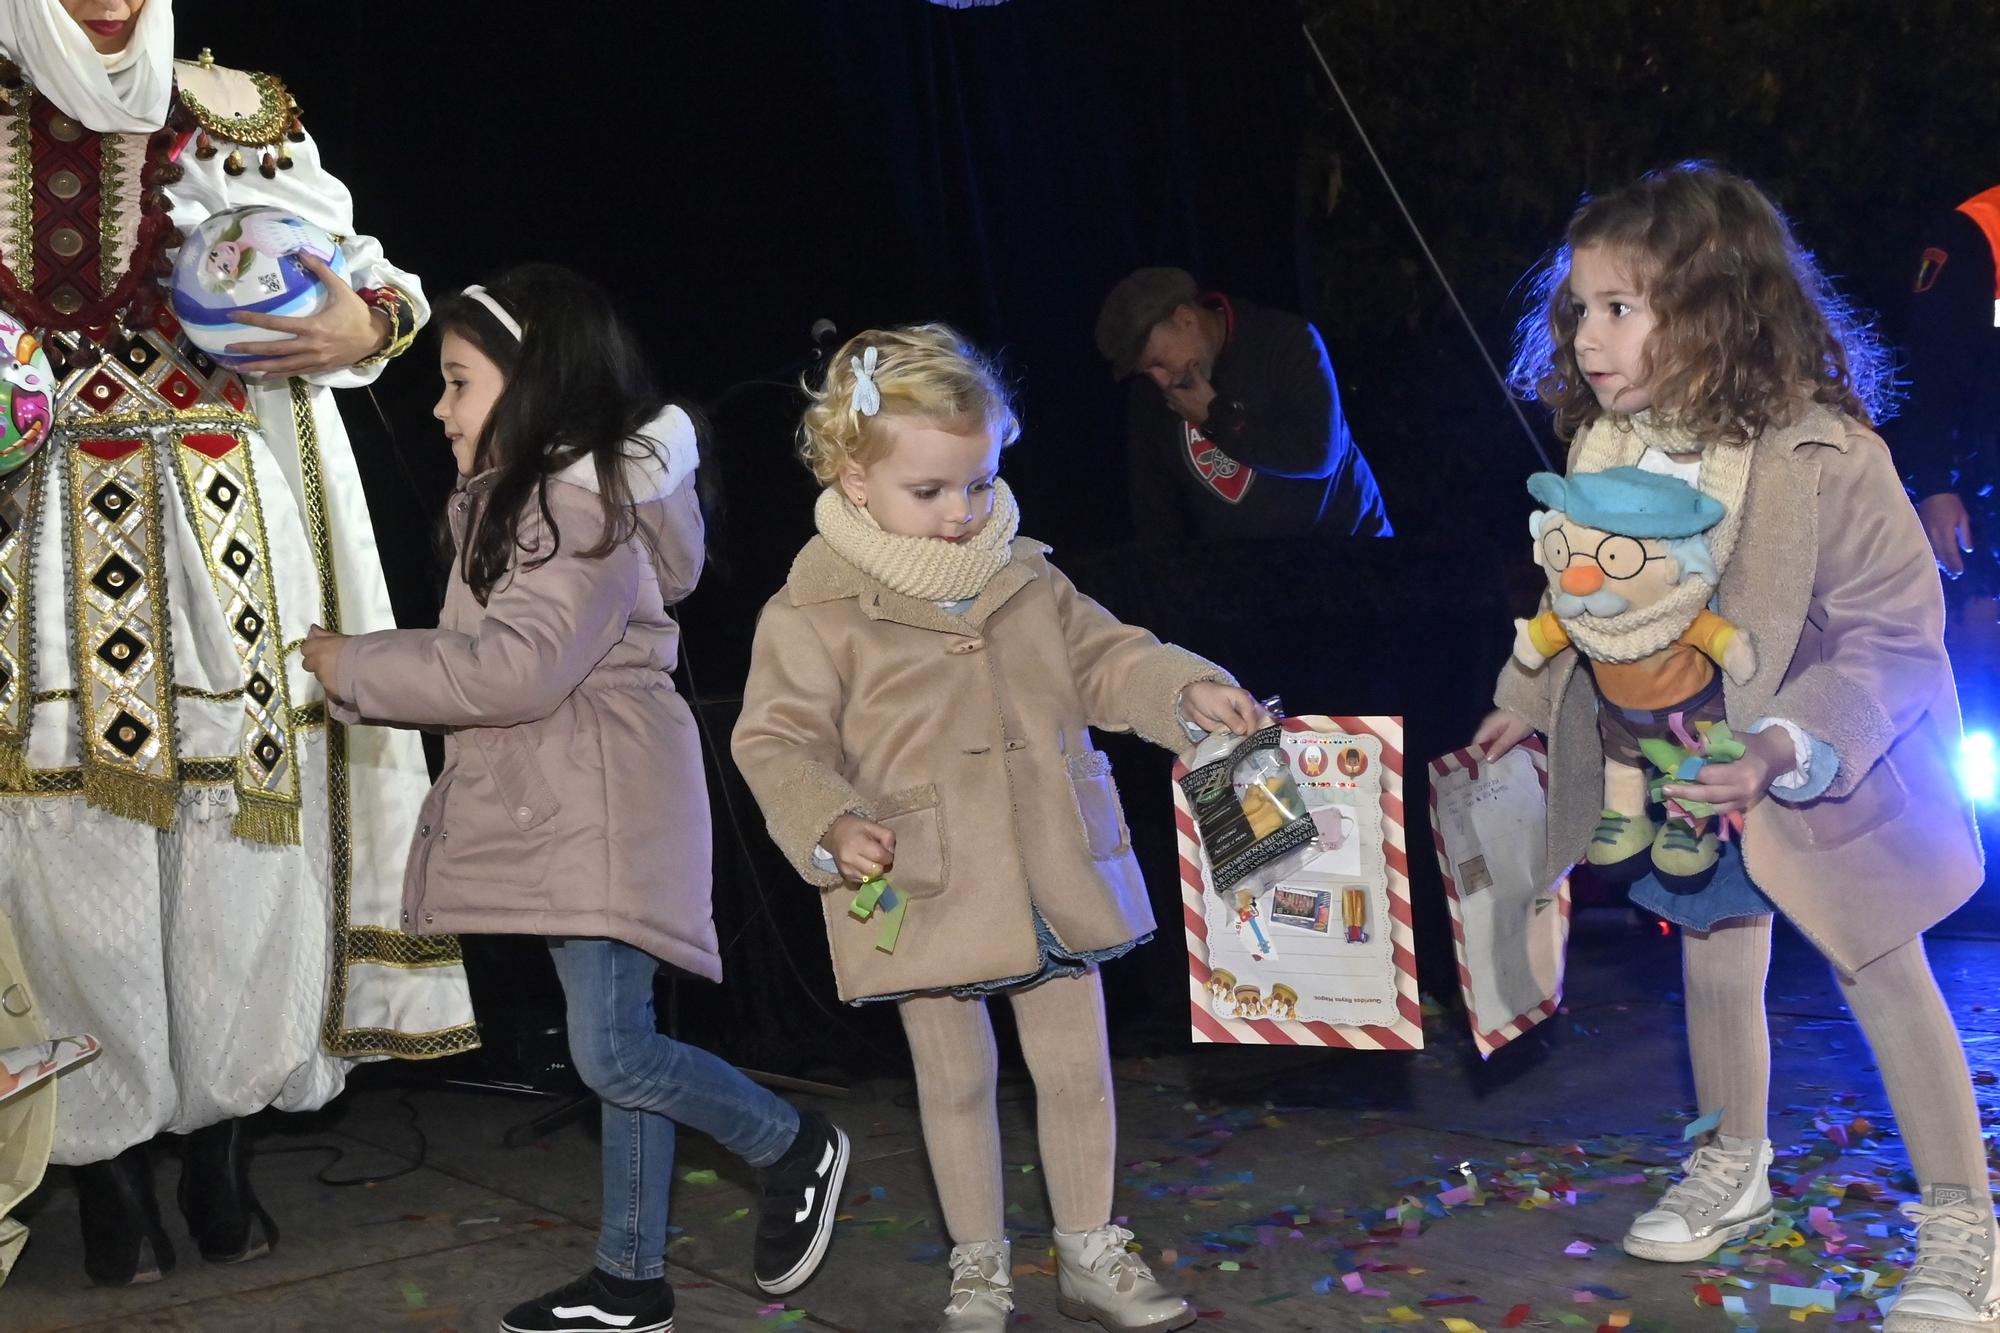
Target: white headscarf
[[124, 94]]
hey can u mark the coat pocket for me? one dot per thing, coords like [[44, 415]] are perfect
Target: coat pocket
[[525, 794], [1097, 805], [1879, 798], [923, 858], [498, 811]]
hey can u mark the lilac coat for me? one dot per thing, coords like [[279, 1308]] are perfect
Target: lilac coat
[[573, 800]]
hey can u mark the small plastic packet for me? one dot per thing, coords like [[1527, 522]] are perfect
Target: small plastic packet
[[1249, 815]]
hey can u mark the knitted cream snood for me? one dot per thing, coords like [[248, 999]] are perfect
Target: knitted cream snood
[[1620, 441], [921, 567]]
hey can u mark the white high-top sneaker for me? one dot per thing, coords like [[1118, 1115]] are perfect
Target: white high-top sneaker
[[982, 1288], [1724, 1195], [1098, 1278], [1952, 1287]]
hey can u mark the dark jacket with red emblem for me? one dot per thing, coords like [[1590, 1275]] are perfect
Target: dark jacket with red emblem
[[1274, 459], [1945, 437]]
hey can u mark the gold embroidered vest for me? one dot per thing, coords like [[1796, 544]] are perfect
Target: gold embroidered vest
[[144, 422]]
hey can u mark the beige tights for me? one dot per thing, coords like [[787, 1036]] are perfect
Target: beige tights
[[1895, 999], [1723, 972], [1061, 1022]]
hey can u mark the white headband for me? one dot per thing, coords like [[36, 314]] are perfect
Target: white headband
[[485, 298]]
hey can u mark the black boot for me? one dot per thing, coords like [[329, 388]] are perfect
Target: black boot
[[222, 1211], [123, 1243]]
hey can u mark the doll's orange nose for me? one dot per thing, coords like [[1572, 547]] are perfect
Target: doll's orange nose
[[1582, 580]]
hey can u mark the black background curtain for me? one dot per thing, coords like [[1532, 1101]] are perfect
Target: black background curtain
[[734, 172]]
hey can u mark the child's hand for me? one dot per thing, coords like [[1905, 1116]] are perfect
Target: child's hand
[[860, 847], [1214, 707], [1502, 730], [1740, 785], [320, 651]]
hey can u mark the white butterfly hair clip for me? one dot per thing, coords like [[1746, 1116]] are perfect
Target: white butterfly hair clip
[[867, 396]]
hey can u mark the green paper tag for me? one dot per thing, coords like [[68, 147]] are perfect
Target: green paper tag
[[892, 925], [1662, 754], [864, 902], [1723, 747]]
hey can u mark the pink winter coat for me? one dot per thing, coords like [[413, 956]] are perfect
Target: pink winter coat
[[572, 800]]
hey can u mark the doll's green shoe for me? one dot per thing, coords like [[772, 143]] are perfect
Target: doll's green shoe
[[1683, 859], [1621, 846]]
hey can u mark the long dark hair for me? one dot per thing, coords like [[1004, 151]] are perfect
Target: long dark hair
[[577, 386], [1747, 321]]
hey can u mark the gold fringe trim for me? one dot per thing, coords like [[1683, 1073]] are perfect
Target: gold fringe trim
[[130, 796], [14, 770], [259, 819]]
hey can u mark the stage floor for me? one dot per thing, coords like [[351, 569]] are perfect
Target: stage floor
[[1266, 1181]]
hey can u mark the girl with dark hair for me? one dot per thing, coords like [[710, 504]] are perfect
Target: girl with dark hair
[[1682, 329], [573, 803]]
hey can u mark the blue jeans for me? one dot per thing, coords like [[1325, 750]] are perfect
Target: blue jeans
[[647, 1081]]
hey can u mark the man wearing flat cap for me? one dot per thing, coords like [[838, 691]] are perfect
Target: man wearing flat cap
[[1236, 429]]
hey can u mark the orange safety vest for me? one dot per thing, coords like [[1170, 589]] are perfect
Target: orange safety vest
[[1984, 209]]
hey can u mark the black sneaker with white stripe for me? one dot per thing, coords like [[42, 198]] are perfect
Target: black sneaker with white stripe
[[587, 1306], [801, 1195]]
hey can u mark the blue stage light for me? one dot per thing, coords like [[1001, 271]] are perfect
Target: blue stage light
[[1979, 767]]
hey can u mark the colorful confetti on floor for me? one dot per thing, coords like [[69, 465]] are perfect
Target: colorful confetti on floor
[[1833, 1254]]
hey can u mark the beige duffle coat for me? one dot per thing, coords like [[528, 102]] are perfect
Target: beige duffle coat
[[969, 737], [1835, 583]]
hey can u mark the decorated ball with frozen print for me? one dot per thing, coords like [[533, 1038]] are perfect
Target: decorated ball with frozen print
[[248, 259], [27, 395]]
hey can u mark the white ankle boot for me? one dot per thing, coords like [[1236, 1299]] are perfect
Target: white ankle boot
[[982, 1288], [1952, 1287], [1723, 1197], [1098, 1278]]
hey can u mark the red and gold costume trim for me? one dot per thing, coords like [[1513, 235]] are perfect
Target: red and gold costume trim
[[21, 505]]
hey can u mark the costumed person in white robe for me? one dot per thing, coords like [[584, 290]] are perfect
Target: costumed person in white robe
[[203, 870]]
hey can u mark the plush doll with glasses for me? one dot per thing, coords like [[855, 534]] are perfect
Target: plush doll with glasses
[[1621, 548]]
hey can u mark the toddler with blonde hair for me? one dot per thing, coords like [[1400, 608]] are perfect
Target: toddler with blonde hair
[[918, 711]]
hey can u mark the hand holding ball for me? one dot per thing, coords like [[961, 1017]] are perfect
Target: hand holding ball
[[267, 263]]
